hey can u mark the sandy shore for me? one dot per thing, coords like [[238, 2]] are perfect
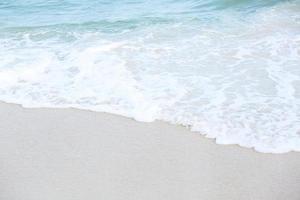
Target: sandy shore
[[69, 154]]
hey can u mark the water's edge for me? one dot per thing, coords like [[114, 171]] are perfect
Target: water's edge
[[214, 139]]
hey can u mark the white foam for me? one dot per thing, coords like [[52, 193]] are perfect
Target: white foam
[[238, 83]]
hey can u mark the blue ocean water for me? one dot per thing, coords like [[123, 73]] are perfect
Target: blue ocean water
[[228, 69]]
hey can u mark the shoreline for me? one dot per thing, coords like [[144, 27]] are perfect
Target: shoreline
[[186, 127], [67, 153]]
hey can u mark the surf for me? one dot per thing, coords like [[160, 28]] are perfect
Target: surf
[[226, 69]]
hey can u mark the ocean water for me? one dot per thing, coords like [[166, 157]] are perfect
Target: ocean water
[[228, 69]]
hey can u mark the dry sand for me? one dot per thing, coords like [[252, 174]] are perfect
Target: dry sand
[[69, 154]]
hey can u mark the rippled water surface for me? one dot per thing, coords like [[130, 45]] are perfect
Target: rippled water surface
[[228, 69]]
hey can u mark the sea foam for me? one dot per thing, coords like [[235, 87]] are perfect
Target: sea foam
[[235, 78]]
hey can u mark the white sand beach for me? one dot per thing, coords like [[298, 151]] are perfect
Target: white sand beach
[[70, 154]]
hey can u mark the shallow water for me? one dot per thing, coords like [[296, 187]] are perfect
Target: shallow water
[[229, 69]]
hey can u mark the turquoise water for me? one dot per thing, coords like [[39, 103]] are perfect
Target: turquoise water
[[228, 69], [119, 14]]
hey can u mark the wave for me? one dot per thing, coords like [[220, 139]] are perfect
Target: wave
[[236, 80]]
